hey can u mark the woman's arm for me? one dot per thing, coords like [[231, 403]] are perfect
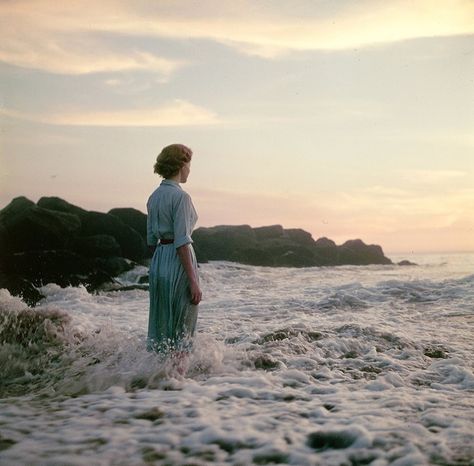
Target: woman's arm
[[184, 255]]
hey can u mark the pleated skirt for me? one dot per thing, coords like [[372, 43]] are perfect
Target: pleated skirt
[[172, 318]]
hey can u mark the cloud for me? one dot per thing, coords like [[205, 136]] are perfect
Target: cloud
[[269, 29], [61, 40], [69, 38], [176, 113]]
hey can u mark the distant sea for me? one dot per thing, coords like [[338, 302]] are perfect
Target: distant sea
[[322, 366]]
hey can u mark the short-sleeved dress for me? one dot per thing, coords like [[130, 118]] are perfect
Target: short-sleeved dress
[[172, 318]]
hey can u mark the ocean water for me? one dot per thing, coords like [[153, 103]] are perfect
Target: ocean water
[[318, 366]]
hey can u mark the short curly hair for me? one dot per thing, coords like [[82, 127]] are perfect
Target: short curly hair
[[171, 159]]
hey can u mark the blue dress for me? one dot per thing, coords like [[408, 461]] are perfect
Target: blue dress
[[172, 318]]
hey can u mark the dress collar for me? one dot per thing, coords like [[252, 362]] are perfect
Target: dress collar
[[171, 183]]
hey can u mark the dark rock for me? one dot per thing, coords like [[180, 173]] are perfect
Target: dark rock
[[97, 246], [266, 362], [65, 268], [300, 236], [49, 266], [224, 242], [133, 218], [3, 241], [26, 227], [200, 254], [269, 232], [274, 246], [17, 205], [151, 415], [294, 256], [356, 252], [6, 443], [323, 440], [19, 286], [406, 263], [273, 457], [435, 352], [329, 407], [325, 243], [113, 266], [326, 251], [61, 243], [117, 287], [60, 205], [132, 244], [277, 335]]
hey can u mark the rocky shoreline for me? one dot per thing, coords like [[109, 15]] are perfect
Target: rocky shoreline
[[55, 241]]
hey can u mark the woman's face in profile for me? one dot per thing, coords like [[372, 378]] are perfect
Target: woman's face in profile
[[185, 170]]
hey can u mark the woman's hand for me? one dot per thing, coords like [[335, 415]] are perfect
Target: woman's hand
[[185, 258], [196, 293]]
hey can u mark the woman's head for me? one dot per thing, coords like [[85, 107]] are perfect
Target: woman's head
[[172, 159]]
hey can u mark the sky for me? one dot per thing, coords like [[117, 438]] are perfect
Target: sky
[[349, 118]]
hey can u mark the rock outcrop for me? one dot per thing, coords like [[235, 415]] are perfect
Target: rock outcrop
[[278, 247], [55, 241]]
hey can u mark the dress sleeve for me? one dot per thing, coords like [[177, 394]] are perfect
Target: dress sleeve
[[182, 221], [151, 238]]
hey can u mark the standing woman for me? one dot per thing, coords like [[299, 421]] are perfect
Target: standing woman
[[174, 282]]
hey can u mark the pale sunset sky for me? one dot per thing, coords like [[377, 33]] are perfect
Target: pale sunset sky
[[348, 118]]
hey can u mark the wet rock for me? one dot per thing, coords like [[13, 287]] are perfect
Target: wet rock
[[113, 286], [406, 263], [6, 442], [58, 242], [336, 439], [435, 352], [131, 243], [29, 227], [356, 252], [19, 286], [97, 246], [133, 218], [266, 362], [224, 242], [278, 247], [25, 270], [277, 335], [60, 205], [271, 457], [326, 251], [151, 415], [150, 455], [329, 407], [269, 232], [113, 266], [48, 266], [313, 336]]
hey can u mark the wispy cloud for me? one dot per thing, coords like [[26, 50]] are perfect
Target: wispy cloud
[[176, 113], [60, 39], [67, 37]]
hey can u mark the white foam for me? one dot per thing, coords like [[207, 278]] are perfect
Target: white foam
[[377, 357]]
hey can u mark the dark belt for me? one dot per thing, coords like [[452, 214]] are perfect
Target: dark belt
[[166, 241]]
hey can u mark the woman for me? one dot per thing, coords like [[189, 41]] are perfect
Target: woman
[[174, 282]]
